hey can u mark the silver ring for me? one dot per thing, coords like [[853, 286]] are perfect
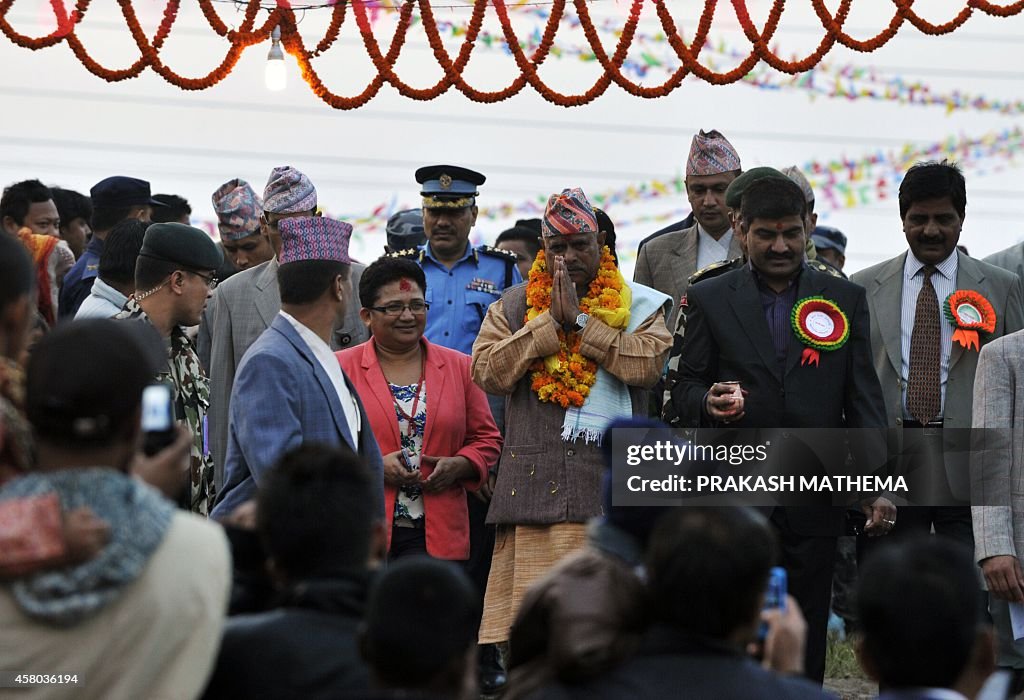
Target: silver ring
[[890, 523]]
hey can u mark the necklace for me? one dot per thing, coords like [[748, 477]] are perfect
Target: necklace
[[409, 417]]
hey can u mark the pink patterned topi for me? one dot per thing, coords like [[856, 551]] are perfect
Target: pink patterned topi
[[314, 238]]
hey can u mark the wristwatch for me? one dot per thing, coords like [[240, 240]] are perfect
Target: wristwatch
[[581, 321]]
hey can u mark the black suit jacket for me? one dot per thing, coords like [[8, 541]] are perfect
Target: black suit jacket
[[307, 648], [673, 664], [727, 338]]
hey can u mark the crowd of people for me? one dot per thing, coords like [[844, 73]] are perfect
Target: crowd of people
[[394, 478]]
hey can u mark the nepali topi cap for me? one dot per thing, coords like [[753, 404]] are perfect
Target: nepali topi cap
[[314, 238], [288, 192], [448, 186], [238, 210], [711, 154], [183, 245], [567, 213], [794, 174]]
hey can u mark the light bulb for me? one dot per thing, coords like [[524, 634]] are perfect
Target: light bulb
[[275, 74]]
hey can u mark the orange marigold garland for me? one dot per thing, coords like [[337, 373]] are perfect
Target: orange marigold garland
[[565, 378], [970, 312], [285, 17]]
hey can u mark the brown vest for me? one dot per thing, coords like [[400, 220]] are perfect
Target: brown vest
[[542, 480]]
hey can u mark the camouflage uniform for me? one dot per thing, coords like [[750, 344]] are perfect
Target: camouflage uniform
[[668, 412], [191, 404]]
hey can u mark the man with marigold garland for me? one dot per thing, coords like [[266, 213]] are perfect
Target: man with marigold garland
[[573, 349]]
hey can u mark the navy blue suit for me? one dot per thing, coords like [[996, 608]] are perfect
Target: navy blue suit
[[282, 398]]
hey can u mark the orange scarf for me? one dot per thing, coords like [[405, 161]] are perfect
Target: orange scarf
[[40, 248]]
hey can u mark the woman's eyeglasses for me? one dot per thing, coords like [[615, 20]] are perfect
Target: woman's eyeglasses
[[416, 308]]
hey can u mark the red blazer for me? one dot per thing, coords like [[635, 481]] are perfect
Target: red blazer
[[459, 423]]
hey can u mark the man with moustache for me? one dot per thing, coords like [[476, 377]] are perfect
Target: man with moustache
[[739, 327], [462, 279], [927, 375]]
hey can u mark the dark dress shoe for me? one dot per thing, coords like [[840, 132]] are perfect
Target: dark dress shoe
[[492, 675]]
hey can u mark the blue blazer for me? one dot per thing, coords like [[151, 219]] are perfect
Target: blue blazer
[[282, 398]]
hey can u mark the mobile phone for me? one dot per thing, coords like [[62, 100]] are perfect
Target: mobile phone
[[774, 596], [158, 428], [406, 458]]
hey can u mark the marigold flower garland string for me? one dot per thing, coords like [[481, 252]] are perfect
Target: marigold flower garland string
[[284, 17], [565, 378]]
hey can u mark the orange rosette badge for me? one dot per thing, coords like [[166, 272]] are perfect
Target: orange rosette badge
[[820, 325], [970, 312]]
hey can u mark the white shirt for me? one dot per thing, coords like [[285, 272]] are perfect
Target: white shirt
[[709, 250], [944, 282], [325, 356], [103, 302]]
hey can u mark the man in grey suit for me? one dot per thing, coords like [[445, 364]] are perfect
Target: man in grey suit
[[246, 304], [997, 471], [665, 263], [1011, 259], [925, 360]]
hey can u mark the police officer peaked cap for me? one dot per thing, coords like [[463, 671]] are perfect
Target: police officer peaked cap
[[444, 181], [120, 191]]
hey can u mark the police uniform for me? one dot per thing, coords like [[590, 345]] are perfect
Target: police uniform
[[111, 193], [192, 249], [459, 296]]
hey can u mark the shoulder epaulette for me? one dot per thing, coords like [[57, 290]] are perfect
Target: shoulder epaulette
[[506, 255], [714, 269], [407, 254], [822, 267]]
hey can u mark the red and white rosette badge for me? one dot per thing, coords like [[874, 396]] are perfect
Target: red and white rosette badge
[[820, 325], [969, 312]]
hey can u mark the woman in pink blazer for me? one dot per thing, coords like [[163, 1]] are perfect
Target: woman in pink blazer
[[431, 421]]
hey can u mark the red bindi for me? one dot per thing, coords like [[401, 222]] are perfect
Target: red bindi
[[778, 226], [405, 285]]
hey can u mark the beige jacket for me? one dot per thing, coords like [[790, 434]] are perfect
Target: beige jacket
[[666, 263], [541, 479], [159, 640]]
